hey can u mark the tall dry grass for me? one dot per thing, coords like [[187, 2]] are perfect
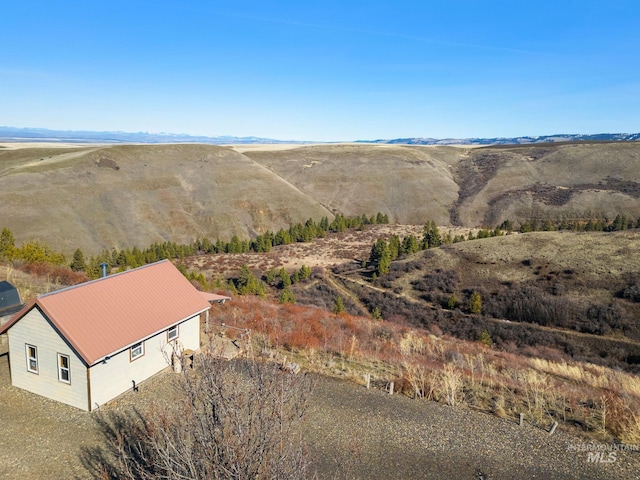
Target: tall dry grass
[[599, 401]]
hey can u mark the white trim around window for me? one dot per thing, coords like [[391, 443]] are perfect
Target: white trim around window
[[64, 368], [136, 351], [32, 358], [172, 333]]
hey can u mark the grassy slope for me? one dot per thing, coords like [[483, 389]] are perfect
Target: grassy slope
[[97, 197], [566, 181], [410, 184], [130, 195], [498, 380]]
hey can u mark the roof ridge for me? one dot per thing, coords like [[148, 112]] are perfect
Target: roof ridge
[[83, 284]]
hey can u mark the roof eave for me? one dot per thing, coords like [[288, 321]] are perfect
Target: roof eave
[[122, 349], [21, 313]]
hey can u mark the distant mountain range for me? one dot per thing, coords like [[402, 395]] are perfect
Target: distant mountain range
[[14, 134], [598, 137]]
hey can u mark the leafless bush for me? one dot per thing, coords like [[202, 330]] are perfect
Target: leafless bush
[[229, 420]]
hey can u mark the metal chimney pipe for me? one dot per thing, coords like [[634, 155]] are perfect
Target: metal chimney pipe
[[104, 266]]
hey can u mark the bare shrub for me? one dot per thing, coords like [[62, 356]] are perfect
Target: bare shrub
[[450, 385], [419, 379], [229, 420]]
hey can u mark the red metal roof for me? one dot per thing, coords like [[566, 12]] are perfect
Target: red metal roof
[[104, 316]]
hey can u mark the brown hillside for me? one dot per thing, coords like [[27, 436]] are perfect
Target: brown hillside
[[410, 184], [97, 197], [564, 182], [132, 195]]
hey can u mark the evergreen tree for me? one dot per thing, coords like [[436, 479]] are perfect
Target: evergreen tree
[[282, 238], [381, 219], [394, 247], [431, 237], [272, 274], [410, 244], [475, 303], [304, 272], [287, 296], [338, 305], [235, 245], [7, 244], [78, 264], [380, 256], [285, 279], [452, 302], [619, 223], [486, 338], [507, 226], [248, 284]]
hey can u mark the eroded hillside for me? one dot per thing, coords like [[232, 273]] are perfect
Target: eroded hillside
[[131, 195], [97, 197]]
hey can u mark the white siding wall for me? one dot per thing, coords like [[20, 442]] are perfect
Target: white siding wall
[[110, 379], [34, 329]]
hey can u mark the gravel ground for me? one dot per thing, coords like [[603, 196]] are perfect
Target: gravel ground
[[352, 433]]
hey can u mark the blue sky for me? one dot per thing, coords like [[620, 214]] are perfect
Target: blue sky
[[323, 71]]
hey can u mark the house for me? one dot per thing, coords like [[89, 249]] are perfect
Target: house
[[87, 344]]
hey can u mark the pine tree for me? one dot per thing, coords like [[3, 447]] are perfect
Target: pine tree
[[78, 264], [475, 303], [431, 237], [380, 256], [7, 244], [304, 272], [285, 279], [486, 339], [394, 247], [338, 305], [452, 302], [410, 244], [248, 284], [287, 296]]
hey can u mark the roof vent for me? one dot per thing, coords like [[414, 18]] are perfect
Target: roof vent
[[104, 266]]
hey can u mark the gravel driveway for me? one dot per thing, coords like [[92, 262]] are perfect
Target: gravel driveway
[[353, 433]]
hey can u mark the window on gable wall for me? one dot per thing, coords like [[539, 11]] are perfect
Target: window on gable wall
[[32, 358], [64, 369]]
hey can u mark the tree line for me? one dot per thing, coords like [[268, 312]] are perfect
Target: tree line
[[384, 251], [36, 252]]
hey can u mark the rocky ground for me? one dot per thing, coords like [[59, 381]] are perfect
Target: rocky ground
[[352, 432]]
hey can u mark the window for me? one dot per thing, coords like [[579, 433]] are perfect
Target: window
[[63, 368], [172, 333], [137, 350], [32, 358]]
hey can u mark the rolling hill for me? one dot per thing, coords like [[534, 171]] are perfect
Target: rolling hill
[[104, 196]]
